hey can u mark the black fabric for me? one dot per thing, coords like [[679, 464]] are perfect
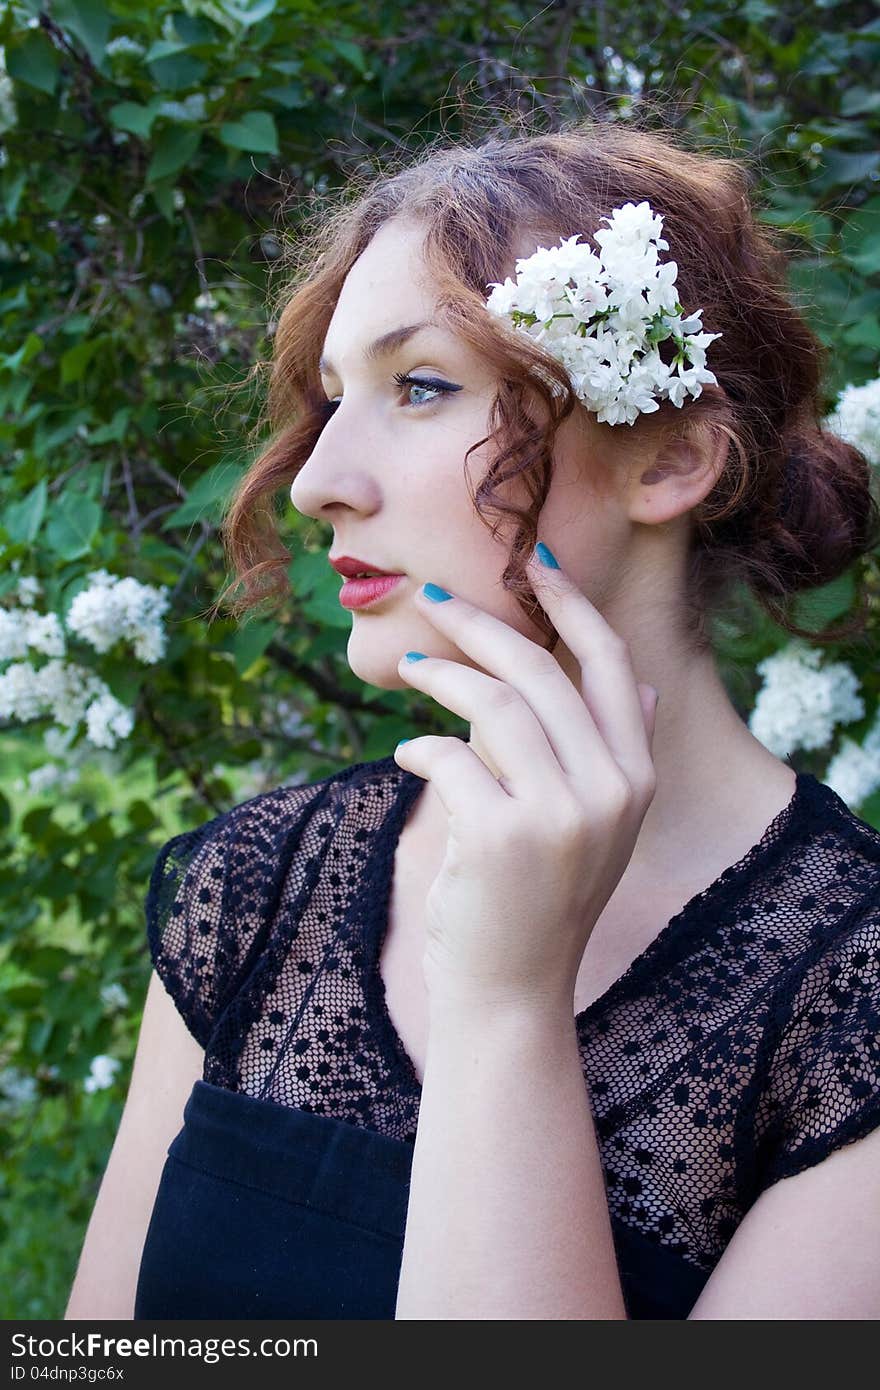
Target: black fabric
[[742, 1046], [266, 1211]]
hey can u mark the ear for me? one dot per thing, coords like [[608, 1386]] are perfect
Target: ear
[[683, 470]]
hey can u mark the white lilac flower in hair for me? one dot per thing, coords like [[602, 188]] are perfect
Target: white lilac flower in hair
[[604, 317]]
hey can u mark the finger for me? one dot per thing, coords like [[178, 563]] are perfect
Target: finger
[[608, 682], [508, 727], [565, 716], [463, 782], [649, 698]]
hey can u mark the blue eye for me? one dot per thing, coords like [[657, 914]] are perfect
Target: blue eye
[[403, 379]]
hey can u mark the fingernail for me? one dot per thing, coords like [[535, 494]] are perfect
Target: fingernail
[[546, 556], [433, 591], [402, 740], [415, 656]]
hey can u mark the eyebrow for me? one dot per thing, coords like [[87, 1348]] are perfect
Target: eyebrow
[[384, 345]]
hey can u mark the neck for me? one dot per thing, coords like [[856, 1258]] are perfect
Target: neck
[[713, 775]]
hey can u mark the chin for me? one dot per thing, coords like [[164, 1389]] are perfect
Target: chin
[[374, 664]]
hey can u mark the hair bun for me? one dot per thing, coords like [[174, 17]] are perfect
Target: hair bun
[[826, 516]]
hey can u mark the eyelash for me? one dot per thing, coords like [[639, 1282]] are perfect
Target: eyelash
[[404, 379]]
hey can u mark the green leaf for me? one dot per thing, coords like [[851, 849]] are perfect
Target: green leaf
[[172, 150], [175, 73], [72, 525], [819, 607], [352, 52], [859, 101], [141, 815], [841, 169], [49, 437], [164, 48], [248, 15], [290, 97], [137, 120], [757, 11], [249, 643], [194, 31], [864, 333], [11, 188], [316, 586], [163, 195], [88, 21], [77, 358], [255, 132], [860, 239], [208, 496], [35, 62], [57, 189], [24, 518], [29, 348], [113, 432]]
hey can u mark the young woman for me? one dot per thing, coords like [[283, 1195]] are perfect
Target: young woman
[[574, 1017]]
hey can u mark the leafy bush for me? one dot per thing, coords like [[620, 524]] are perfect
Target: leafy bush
[[146, 152]]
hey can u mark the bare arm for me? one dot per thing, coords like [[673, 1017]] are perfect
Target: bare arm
[[167, 1062], [508, 1216], [809, 1248]]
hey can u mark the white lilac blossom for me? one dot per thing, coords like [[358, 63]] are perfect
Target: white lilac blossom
[[123, 44], [16, 1086], [192, 108], [107, 720], [113, 996], [58, 741], [856, 418], [107, 611], [22, 630], [854, 771], [8, 111], [290, 720], [603, 317], [67, 693], [101, 1074], [111, 609], [799, 705], [29, 587], [49, 775]]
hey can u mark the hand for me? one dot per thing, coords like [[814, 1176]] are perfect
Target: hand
[[532, 859]]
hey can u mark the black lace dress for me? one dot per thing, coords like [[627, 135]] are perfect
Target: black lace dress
[[740, 1047]]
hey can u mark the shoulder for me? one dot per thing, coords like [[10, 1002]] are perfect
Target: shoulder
[[216, 889], [820, 1084], [271, 818]]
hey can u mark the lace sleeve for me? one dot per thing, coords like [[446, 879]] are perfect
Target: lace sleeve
[[213, 895], [184, 912], [823, 1085]]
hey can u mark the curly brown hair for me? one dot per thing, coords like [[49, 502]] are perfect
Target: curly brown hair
[[791, 509]]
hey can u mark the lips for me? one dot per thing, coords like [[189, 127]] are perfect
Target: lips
[[351, 567], [363, 593]]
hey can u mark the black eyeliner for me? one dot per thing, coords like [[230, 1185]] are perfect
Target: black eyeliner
[[405, 379]]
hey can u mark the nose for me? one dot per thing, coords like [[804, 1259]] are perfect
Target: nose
[[336, 476]]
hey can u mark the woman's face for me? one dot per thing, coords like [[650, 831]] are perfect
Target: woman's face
[[388, 471]]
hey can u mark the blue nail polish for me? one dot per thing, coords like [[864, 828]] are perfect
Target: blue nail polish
[[433, 591], [415, 656], [546, 556], [402, 740]]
